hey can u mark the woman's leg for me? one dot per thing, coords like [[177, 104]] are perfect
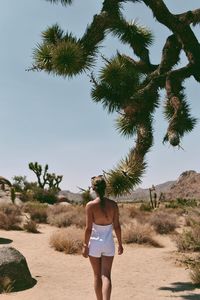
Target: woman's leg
[[106, 265], [96, 266]]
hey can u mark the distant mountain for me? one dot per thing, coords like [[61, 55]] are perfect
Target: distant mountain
[[186, 186], [139, 194], [143, 194], [71, 197]]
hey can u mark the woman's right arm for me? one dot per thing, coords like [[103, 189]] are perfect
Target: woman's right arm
[[88, 229], [117, 229]]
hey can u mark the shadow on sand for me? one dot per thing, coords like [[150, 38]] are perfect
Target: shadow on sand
[[181, 287], [191, 297], [5, 241]]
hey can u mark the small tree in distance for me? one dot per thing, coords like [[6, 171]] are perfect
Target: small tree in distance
[[130, 86], [45, 179]]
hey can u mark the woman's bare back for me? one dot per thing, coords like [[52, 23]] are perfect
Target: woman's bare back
[[105, 215]]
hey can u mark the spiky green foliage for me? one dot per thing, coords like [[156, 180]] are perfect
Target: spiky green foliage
[[138, 37], [61, 54], [127, 174], [177, 112], [126, 86], [117, 82]]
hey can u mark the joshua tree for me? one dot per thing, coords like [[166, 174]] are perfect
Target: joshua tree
[[126, 85], [44, 178]]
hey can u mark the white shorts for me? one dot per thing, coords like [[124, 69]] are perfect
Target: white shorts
[[101, 241]]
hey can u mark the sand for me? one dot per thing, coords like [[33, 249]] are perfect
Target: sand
[[140, 273]]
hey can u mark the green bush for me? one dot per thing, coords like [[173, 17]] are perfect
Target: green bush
[[182, 203], [45, 196]]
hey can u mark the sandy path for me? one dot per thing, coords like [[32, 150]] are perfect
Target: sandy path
[[141, 273]]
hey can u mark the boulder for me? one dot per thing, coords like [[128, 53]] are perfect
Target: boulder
[[13, 265]]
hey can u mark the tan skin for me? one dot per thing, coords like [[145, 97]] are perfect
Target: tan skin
[[102, 265]]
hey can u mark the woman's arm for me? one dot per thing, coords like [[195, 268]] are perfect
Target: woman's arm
[[117, 229], [88, 229]]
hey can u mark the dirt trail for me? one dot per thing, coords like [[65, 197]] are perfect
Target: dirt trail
[[141, 273]]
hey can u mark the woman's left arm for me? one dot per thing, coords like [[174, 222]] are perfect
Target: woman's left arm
[[88, 229]]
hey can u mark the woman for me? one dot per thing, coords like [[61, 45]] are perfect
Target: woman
[[102, 215]]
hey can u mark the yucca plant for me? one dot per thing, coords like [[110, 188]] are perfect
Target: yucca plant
[[126, 85]]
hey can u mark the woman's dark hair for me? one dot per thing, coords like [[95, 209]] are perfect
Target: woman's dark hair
[[99, 186]]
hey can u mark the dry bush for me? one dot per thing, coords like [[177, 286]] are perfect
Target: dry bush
[[10, 217], [64, 216], [195, 273], [145, 206], [189, 240], [37, 211], [129, 212], [192, 217], [193, 264], [163, 222], [124, 215], [68, 240], [31, 226], [139, 234]]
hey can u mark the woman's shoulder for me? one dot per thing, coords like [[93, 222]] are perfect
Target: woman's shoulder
[[92, 203], [111, 202]]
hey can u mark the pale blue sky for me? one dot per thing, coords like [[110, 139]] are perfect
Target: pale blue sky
[[53, 120]]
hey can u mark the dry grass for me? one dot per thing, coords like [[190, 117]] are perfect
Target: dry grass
[[31, 226], [195, 273], [192, 217], [37, 211], [129, 212], [163, 222], [64, 216], [189, 240], [10, 217], [68, 240], [139, 233]]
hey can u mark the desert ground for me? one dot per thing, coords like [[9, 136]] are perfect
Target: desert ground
[[142, 272]]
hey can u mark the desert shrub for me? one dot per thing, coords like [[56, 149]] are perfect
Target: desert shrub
[[45, 196], [31, 226], [139, 234], [129, 212], [124, 215], [6, 284], [193, 264], [182, 203], [145, 206], [195, 273], [189, 240], [68, 240], [10, 217], [37, 211], [192, 217], [64, 216], [133, 211], [162, 222]]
